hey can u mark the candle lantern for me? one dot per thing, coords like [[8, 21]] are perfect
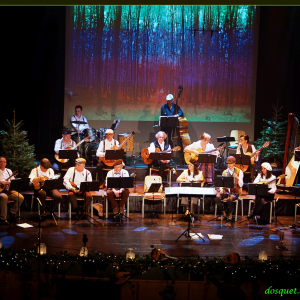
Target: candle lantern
[[130, 253], [43, 249], [84, 251], [263, 255]]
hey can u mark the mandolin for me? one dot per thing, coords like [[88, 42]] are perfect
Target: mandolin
[[188, 156], [38, 182], [158, 254], [110, 162], [73, 184], [252, 155], [2, 186], [145, 153], [64, 160]]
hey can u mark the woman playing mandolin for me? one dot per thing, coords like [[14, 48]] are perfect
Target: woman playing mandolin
[[203, 145], [260, 207]]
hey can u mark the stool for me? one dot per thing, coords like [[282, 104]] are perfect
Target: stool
[[169, 178], [106, 207], [80, 199], [272, 203], [236, 208], [48, 198]]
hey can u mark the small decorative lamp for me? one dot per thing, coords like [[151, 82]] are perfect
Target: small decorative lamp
[[43, 249], [84, 251], [263, 255], [130, 253]]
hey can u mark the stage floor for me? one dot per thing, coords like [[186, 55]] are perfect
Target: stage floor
[[245, 238]]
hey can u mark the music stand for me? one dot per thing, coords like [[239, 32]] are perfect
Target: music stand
[[168, 121], [154, 188], [67, 154], [87, 186], [119, 183], [242, 159], [161, 156], [226, 140], [114, 154], [19, 184], [207, 158], [223, 181]]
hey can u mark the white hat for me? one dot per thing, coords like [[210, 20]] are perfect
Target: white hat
[[267, 166], [109, 131], [170, 97]]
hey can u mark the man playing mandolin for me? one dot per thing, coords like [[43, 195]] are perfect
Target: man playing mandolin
[[230, 194], [5, 194], [37, 177], [107, 144], [61, 144], [203, 146], [245, 148]]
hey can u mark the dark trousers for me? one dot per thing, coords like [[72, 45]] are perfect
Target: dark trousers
[[227, 205], [57, 166], [57, 198], [112, 198], [102, 173], [262, 207], [73, 199]]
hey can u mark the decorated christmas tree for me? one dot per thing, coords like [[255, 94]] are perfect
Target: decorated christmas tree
[[16, 149], [275, 132]]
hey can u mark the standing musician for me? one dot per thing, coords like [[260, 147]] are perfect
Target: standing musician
[[6, 195], [169, 109], [62, 144], [79, 117], [208, 169], [72, 179], [37, 177], [104, 145], [112, 194], [162, 165], [228, 194], [260, 207], [244, 148]]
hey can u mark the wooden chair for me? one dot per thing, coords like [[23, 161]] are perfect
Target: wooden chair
[[159, 196]]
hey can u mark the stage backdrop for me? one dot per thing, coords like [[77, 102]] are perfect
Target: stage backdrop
[[122, 61]]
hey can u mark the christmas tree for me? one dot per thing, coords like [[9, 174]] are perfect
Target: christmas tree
[[275, 132], [16, 149]]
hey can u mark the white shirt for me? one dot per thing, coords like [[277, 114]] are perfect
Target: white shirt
[[81, 127], [36, 173], [185, 175], [112, 173], [108, 146], [151, 148], [272, 185], [241, 175], [238, 151], [4, 175], [61, 145], [85, 175], [197, 145]]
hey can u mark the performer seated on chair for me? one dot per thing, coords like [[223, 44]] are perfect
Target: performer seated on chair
[[37, 177], [79, 117], [169, 109], [159, 166], [61, 144], [112, 194], [72, 179], [260, 207], [6, 195], [245, 148], [192, 174], [208, 169], [230, 194], [104, 145]]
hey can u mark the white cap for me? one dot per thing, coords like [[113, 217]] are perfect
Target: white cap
[[170, 97], [109, 131], [267, 166]]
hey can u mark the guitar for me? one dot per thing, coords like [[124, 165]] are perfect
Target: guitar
[[245, 167], [38, 182], [158, 254], [2, 186], [110, 162], [64, 160], [145, 153], [188, 156], [73, 184]]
